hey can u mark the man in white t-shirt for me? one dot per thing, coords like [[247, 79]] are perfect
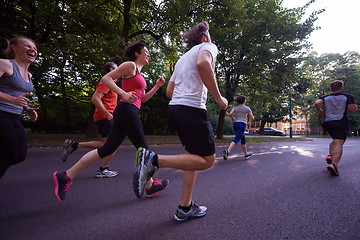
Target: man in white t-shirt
[[193, 77]]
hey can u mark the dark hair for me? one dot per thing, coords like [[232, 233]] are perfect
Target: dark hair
[[241, 99], [109, 65], [336, 85], [193, 36], [9, 53], [134, 47], [4, 44]]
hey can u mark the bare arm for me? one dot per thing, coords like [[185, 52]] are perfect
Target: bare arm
[[6, 68], [251, 116], [170, 89], [159, 83], [207, 75], [96, 100], [32, 113], [125, 69], [318, 105], [352, 107], [231, 115]]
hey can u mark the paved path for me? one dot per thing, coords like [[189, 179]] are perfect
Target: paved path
[[283, 192]]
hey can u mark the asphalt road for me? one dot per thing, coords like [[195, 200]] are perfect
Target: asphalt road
[[283, 192]]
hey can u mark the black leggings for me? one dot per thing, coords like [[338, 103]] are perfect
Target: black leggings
[[126, 123], [13, 141]]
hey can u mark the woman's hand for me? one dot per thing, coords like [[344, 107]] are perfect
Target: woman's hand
[[32, 113], [129, 96], [160, 82], [21, 100]]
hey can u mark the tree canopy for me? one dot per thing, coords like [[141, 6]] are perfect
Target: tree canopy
[[261, 45]]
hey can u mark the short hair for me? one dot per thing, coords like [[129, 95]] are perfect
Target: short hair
[[14, 41], [336, 85], [193, 36], [241, 99], [134, 47], [109, 65]]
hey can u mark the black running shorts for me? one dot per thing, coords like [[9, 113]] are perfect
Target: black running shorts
[[104, 127], [194, 129], [337, 129]]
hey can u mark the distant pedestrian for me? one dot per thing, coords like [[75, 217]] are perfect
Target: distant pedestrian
[[15, 86], [105, 101], [192, 78], [126, 119], [336, 105], [242, 114]]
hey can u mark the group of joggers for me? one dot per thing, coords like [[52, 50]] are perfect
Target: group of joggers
[[187, 90]]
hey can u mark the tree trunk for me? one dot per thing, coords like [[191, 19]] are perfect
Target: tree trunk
[[65, 104], [262, 125], [220, 126], [91, 130]]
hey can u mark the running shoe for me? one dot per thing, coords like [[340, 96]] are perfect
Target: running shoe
[[329, 159], [247, 156], [333, 169], [225, 154], [67, 149], [158, 186], [106, 173], [194, 212], [144, 170], [62, 183]]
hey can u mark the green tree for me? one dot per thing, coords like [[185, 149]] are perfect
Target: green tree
[[75, 38], [257, 39], [260, 45], [326, 68]]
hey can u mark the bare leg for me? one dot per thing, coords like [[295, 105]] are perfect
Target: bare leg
[[243, 146], [88, 160], [189, 163], [186, 162], [231, 146], [149, 183], [336, 149], [85, 161], [189, 180], [106, 160], [95, 145], [91, 144]]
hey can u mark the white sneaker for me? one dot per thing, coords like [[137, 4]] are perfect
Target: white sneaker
[[106, 173], [194, 212]]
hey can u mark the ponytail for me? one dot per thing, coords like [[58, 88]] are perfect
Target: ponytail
[[4, 48]]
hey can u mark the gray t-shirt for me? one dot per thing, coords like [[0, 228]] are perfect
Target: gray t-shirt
[[14, 85], [241, 113], [336, 106]]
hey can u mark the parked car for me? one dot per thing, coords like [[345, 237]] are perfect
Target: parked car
[[271, 131], [249, 132]]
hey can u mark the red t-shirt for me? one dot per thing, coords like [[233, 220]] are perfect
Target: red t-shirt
[[109, 100], [137, 84]]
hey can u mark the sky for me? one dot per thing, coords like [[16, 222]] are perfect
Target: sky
[[339, 22]]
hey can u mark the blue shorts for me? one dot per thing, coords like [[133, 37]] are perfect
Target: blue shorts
[[239, 128], [194, 129]]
